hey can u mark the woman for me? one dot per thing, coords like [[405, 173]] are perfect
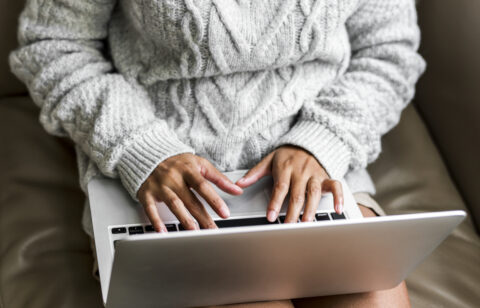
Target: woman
[[166, 94]]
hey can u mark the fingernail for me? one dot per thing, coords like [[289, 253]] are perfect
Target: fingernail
[[241, 181], [340, 208], [225, 211], [163, 229], [271, 216]]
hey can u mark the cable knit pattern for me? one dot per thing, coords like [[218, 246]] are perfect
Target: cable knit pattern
[[134, 82]]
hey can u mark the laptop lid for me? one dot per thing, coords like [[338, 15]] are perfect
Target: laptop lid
[[209, 267]]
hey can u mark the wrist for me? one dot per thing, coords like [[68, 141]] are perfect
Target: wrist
[[329, 150], [140, 158]]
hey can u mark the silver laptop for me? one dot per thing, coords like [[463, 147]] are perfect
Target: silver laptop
[[249, 259]]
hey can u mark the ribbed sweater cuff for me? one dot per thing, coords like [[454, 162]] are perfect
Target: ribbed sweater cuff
[[144, 154], [326, 147]]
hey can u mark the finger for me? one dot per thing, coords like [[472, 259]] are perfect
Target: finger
[[208, 171], [263, 168], [205, 189], [335, 187], [196, 209], [281, 184], [152, 213], [177, 207], [314, 194], [298, 185]]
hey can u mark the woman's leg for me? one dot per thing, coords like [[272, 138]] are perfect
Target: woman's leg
[[95, 272], [396, 297]]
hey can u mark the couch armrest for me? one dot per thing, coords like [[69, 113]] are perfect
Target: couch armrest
[[448, 95]]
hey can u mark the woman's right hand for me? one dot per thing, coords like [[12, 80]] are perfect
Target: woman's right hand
[[170, 183]]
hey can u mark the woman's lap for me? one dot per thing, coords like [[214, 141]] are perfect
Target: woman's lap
[[365, 199]]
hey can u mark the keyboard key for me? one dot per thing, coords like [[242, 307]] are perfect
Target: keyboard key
[[322, 216], [337, 216], [135, 230], [282, 218], [119, 230], [181, 228], [243, 222], [171, 227]]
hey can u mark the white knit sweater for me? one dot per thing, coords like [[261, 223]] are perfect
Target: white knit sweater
[[134, 82]]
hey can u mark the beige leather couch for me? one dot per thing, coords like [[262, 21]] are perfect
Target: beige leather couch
[[429, 163]]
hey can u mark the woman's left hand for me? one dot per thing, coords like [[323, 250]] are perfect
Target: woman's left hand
[[296, 171]]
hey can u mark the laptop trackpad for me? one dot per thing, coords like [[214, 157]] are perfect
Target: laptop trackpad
[[252, 201]]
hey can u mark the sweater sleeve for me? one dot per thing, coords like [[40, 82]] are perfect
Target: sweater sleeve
[[342, 126], [62, 60]]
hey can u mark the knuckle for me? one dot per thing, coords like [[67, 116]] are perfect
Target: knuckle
[[286, 163], [145, 201], [188, 223], [169, 173], [189, 164], [148, 203], [162, 168], [281, 186], [169, 200], [177, 166], [201, 185], [314, 189], [173, 202], [297, 199], [177, 182]]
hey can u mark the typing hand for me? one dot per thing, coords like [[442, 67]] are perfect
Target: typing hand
[[171, 181], [295, 170]]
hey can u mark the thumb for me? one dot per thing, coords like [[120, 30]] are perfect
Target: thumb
[[262, 169]]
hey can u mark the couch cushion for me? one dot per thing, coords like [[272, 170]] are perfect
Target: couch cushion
[[448, 95], [410, 177], [45, 258], [9, 12]]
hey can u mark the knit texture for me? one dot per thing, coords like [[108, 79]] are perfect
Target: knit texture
[[134, 82]]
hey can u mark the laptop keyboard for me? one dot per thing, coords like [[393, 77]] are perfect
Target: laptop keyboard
[[224, 223]]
